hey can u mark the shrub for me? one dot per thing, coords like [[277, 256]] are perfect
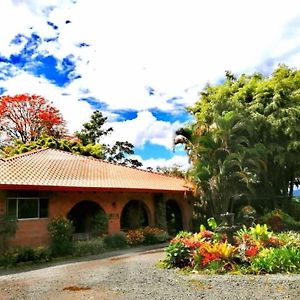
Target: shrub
[[135, 237], [61, 231], [8, 228], [8, 259], [279, 221], [42, 254], [148, 235], [100, 224], [274, 260], [117, 240], [91, 247], [290, 238], [25, 254], [155, 235], [178, 255]]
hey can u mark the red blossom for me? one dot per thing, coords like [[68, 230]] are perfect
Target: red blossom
[[251, 251], [27, 117]]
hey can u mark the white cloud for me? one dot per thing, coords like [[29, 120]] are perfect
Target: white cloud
[[181, 161], [145, 127], [170, 45], [174, 46]]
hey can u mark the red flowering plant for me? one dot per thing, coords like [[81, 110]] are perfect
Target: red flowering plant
[[135, 237]]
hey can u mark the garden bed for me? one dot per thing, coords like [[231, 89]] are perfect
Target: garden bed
[[255, 250]]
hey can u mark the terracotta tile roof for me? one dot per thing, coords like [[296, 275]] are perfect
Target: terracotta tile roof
[[56, 169]]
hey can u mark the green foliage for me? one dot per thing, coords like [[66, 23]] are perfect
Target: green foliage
[[245, 140], [183, 234], [61, 231], [92, 131], [290, 238], [25, 255], [148, 235], [212, 223], [255, 250], [114, 241], [277, 260], [8, 229], [91, 247], [100, 224], [73, 146], [91, 134], [278, 220], [178, 255]]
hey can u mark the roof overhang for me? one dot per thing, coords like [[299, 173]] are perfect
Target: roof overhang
[[87, 189]]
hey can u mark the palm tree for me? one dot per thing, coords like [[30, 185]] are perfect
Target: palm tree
[[222, 168]]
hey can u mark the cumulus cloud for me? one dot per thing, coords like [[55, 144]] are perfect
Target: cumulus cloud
[[144, 128], [170, 45], [121, 48]]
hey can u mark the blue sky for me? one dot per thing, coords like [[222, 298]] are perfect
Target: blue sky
[[140, 62]]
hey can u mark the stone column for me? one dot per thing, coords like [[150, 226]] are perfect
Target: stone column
[[160, 211]]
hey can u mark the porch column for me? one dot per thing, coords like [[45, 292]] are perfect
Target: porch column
[[160, 211]]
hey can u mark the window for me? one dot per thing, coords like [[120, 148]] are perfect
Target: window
[[27, 208]]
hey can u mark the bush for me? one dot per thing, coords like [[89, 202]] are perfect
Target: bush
[[100, 224], [24, 255], [61, 231], [148, 235], [8, 228], [135, 237], [113, 241], [91, 247], [154, 235], [279, 221], [178, 255], [275, 260], [42, 254]]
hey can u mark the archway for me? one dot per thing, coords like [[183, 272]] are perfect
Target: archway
[[134, 215], [83, 215], [174, 217]]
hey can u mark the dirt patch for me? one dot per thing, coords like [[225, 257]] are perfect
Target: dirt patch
[[75, 288]]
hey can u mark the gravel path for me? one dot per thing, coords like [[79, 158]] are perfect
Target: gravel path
[[135, 276]]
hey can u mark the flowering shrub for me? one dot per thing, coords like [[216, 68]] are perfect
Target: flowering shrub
[[147, 235], [135, 237], [256, 250]]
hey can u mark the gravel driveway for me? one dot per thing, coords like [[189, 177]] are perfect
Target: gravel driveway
[[133, 275]]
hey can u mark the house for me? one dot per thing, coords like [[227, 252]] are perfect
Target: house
[[41, 184]]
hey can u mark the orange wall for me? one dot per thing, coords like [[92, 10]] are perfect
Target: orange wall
[[31, 233], [34, 232]]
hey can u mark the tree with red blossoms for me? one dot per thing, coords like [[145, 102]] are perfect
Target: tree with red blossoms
[[27, 117]]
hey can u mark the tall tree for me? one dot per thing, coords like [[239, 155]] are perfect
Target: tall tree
[[262, 135], [27, 117], [92, 132]]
